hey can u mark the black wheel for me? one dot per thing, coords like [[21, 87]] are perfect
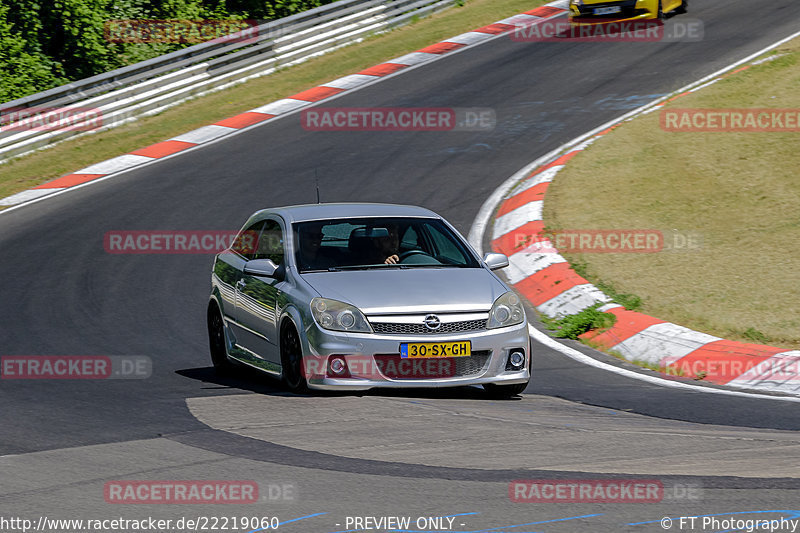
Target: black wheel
[[684, 7], [292, 359], [504, 391], [216, 341]]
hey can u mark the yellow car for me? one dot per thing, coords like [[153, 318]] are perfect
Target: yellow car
[[598, 11]]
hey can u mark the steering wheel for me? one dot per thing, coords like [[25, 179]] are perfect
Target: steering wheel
[[402, 257]]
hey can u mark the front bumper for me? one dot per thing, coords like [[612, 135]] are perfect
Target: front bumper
[[628, 10], [373, 360]]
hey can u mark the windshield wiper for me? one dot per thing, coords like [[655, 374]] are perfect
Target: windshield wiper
[[365, 267]]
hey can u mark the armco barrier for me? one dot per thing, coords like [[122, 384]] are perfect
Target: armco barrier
[[283, 107], [151, 86]]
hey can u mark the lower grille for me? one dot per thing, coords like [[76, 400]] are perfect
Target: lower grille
[[393, 366], [627, 6]]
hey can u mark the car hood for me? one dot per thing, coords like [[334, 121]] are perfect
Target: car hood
[[414, 290]]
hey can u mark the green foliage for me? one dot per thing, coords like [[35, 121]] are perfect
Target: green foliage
[[44, 44], [24, 69], [754, 335], [284, 8], [572, 326]]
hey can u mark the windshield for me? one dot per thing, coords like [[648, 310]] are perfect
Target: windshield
[[363, 243]]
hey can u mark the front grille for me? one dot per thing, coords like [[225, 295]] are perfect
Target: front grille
[[395, 328], [395, 367]]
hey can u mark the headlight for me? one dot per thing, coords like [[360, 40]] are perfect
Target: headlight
[[338, 316], [576, 2], [506, 311]]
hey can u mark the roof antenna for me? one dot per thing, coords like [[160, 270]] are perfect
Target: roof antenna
[[316, 182]]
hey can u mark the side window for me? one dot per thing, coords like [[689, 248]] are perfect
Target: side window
[[446, 248], [245, 242], [270, 244], [409, 240]]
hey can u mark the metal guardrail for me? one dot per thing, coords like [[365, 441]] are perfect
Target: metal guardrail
[[149, 87]]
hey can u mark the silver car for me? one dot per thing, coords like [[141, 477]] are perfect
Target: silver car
[[356, 296]]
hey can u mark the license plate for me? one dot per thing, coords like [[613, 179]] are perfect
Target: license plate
[[607, 10], [418, 350]]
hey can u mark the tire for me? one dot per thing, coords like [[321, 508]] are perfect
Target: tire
[[292, 359], [216, 341], [504, 391], [684, 7]]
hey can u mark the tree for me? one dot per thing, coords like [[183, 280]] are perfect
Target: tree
[[24, 69]]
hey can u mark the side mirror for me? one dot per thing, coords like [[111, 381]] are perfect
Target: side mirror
[[495, 261], [261, 267]]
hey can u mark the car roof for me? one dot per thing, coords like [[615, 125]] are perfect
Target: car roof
[[302, 213]]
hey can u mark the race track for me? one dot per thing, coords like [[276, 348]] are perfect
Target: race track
[[417, 454]]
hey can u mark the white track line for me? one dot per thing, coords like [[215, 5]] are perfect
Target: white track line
[[572, 353]]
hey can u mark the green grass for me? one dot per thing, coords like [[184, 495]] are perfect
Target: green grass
[[629, 301], [571, 326], [34, 169], [739, 192]]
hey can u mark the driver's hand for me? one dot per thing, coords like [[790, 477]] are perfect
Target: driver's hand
[[392, 260]]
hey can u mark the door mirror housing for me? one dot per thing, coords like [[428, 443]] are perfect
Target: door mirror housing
[[495, 261], [262, 267]]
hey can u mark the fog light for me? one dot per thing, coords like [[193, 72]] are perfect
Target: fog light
[[516, 359], [338, 366]]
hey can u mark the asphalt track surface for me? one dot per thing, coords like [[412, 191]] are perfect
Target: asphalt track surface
[[63, 295]]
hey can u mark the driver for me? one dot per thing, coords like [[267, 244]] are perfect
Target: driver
[[388, 247]]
